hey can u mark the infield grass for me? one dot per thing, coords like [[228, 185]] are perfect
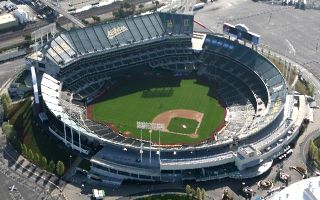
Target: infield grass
[[142, 100], [182, 125]]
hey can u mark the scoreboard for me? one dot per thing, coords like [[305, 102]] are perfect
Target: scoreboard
[[241, 34]]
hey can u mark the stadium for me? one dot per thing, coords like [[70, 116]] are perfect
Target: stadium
[[146, 98]]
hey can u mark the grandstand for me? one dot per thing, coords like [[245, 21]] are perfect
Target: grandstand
[[79, 65]]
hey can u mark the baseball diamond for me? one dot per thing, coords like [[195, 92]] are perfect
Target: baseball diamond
[[183, 126], [160, 100]]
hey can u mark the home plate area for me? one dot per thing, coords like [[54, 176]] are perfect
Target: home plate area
[[180, 122]]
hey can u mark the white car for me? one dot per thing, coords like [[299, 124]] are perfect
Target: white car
[[289, 152]]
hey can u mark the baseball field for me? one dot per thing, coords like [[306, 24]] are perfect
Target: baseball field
[[186, 107]]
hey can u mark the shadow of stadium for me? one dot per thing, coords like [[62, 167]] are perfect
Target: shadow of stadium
[[157, 92], [208, 83], [151, 87]]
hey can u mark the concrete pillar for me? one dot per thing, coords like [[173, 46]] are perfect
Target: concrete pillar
[[71, 137], [65, 133], [79, 141]]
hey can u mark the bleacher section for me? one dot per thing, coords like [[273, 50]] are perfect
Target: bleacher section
[[262, 83], [55, 107], [88, 78]]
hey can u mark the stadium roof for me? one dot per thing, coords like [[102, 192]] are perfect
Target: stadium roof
[[69, 45]]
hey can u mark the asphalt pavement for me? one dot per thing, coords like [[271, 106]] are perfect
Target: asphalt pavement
[[9, 69], [31, 182], [291, 32], [21, 191]]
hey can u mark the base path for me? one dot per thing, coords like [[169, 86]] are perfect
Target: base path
[[165, 117]]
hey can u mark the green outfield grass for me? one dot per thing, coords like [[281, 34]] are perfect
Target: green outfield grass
[[142, 100], [176, 125]]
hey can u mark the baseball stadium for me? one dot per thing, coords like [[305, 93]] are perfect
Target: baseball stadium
[[146, 98]]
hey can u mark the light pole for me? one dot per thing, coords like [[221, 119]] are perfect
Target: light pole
[[70, 156]]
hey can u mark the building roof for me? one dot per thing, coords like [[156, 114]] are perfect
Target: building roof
[[307, 189], [65, 47], [7, 18]]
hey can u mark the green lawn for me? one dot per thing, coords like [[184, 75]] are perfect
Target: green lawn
[[142, 100], [176, 125], [29, 132], [314, 152]]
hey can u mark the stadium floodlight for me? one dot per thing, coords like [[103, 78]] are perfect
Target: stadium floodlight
[[151, 127]]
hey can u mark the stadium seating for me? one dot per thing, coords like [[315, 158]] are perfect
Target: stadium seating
[[254, 71]]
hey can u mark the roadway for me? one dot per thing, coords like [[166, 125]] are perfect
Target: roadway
[[9, 69], [63, 12]]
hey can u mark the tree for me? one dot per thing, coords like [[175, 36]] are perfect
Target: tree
[[44, 162], [126, 9], [30, 155], [36, 158], [188, 190], [96, 18], [141, 6], [126, 4], [198, 192], [52, 166], [60, 168], [203, 194], [85, 22], [193, 193], [24, 149], [157, 4], [27, 37], [226, 196], [6, 102]]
